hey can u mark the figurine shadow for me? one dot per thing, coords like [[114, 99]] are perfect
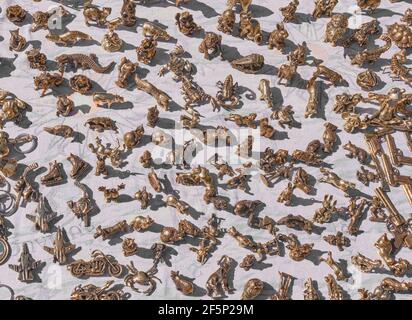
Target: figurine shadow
[[260, 265], [127, 47], [231, 53], [358, 193], [116, 239], [36, 44], [36, 275], [125, 198], [82, 43], [95, 88], [167, 255], [267, 292], [260, 11], [27, 20], [166, 123], [289, 47], [161, 57], [249, 94], [174, 107], [381, 12], [316, 287], [280, 135], [314, 256], [301, 17], [7, 66], [70, 258], [156, 227], [157, 202], [268, 70], [206, 10], [194, 213], [119, 173], [62, 90], [78, 137], [144, 253], [84, 108], [168, 188]]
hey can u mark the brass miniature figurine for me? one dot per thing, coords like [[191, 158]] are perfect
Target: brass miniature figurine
[[252, 289], [297, 251], [160, 96], [211, 41], [286, 195], [218, 281], [397, 69], [284, 116], [42, 216], [41, 19], [183, 285], [180, 205], [100, 124], [25, 190], [328, 74], [337, 269], [154, 181], [298, 56], [226, 21], [129, 247], [83, 61], [36, 59], [12, 108], [277, 37], [249, 64], [286, 72], [355, 152], [324, 8], [68, 38], [355, 212], [227, 97], [407, 17], [54, 176], [179, 66], [324, 214], [146, 51], [106, 151], [5, 248], [111, 194], [60, 248], [186, 24], [367, 80], [329, 137], [92, 292], [126, 69], [313, 103], [365, 264], [142, 278], [401, 34], [336, 28], [141, 223], [296, 222], [60, 130], [250, 28], [286, 281], [99, 265], [152, 116], [16, 13], [46, 80], [335, 291], [370, 5], [92, 13], [265, 92], [80, 84], [336, 181], [132, 138], [146, 159], [143, 197], [82, 207], [310, 293], [372, 54], [289, 11], [247, 121], [301, 181], [17, 42], [79, 166], [266, 130], [203, 251], [27, 265], [128, 13], [338, 240], [346, 103], [64, 105], [151, 30], [363, 33], [386, 249], [109, 232], [111, 41]]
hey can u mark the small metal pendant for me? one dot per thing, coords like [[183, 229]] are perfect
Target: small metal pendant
[[4, 250]]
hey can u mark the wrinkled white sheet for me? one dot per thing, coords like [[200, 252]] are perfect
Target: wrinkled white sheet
[[17, 77]]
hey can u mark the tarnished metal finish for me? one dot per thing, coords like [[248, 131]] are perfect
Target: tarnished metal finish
[[333, 179], [60, 248], [363, 33], [329, 137], [146, 51], [310, 292], [43, 216], [286, 195], [227, 97], [16, 13], [397, 68], [324, 8], [141, 278], [61, 130], [186, 24], [218, 281], [367, 80], [289, 11], [153, 31], [250, 28], [92, 292], [336, 28], [101, 124], [46, 80], [126, 69], [92, 13], [27, 266], [370, 5], [81, 84], [36, 59], [401, 35], [277, 37], [129, 247], [211, 41], [296, 222], [253, 288], [338, 240], [226, 21], [386, 250], [179, 66], [141, 223], [83, 206], [54, 176], [128, 13], [335, 291], [79, 166], [64, 106], [283, 293], [324, 214]]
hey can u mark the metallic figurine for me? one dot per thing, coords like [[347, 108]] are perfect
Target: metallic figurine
[[338, 240], [42, 217], [111, 41], [324, 8], [27, 265], [128, 13], [367, 80], [401, 34], [150, 30], [363, 33], [397, 69], [284, 288], [329, 137], [289, 11], [226, 21], [248, 262], [81, 84], [218, 281], [111, 194], [141, 223], [346, 103], [152, 116], [184, 286], [41, 19], [249, 64], [372, 54], [282, 171], [92, 292], [324, 214], [61, 130], [36, 59], [286, 72], [242, 240], [160, 96], [25, 190], [310, 293], [314, 95], [385, 249], [109, 232], [103, 152], [12, 108], [101, 124], [16, 13], [83, 61], [335, 180], [297, 251], [179, 66], [92, 13], [277, 37], [105, 98], [132, 138], [186, 24], [365, 264], [54, 176], [203, 251], [98, 266], [82, 207], [266, 130], [126, 69], [286, 195], [335, 291], [46, 80], [355, 212], [336, 28], [142, 278], [69, 38], [64, 105], [355, 152], [298, 56], [17, 42], [265, 92], [143, 197], [181, 206], [370, 5], [243, 121], [301, 181], [60, 248], [337, 269], [5, 247], [407, 17], [79, 166], [328, 74], [211, 41], [296, 222], [252, 289], [146, 159], [284, 115], [250, 28], [146, 51], [171, 235], [154, 181], [129, 247]]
